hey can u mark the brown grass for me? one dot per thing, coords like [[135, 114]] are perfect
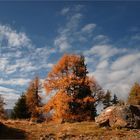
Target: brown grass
[[72, 131]]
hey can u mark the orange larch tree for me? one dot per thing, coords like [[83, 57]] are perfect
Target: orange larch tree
[[33, 99], [2, 112], [76, 93], [134, 95]]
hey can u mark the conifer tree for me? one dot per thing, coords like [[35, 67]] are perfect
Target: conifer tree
[[76, 93], [115, 100], [20, 110], [107, 99]]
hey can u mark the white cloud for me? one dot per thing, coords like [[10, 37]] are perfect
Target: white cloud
[[20, 61], [16, 50], [121, 89], [13, 38], [62, 43], [10, 96], [3, 63], [66, 33], [10, 99], [10, 69], [15, 81], [23, 64], [47, 66], [64, 11], [6, 90], [103, 64], [126, 61], [74, 20], [88, 28], [50, 65], [101, 39], [119, 74], [102, 51], [71, 32], [78, 7]]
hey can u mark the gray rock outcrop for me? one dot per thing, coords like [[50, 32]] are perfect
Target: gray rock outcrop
[[120, 116]]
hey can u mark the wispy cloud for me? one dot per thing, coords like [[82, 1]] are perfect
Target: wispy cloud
[[20, 61], [66, 33], [62, 42], [64, 11], [88, 28], [101, 39], [103, 51], [126, 61], [103, 64], [115, 69], [10, 98], [6, 90], [12, 37], [72, 32], [15, 82]]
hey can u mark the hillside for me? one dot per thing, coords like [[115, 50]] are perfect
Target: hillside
[[65, 131]]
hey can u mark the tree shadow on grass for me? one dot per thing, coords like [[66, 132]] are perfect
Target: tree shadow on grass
[[11, 133]]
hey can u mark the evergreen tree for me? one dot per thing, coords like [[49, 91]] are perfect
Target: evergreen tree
[[134, 95], [2, 112], [20, 110], [115, 100], [107, 99]]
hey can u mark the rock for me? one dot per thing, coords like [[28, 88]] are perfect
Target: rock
[[103, 118], [120, 116]]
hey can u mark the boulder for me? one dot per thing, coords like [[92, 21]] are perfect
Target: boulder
[[120, 116]]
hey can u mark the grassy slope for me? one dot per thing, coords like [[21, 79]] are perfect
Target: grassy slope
[[73, 131]]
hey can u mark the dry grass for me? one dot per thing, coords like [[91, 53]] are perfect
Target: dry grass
[[73, 131]]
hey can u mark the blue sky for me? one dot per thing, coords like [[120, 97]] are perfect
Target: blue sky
[[34, 35]]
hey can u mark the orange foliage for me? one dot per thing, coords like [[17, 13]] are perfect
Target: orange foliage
[[134, 95], [76, 93], [2, 112], [33, 98]]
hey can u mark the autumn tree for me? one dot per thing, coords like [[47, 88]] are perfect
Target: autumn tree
[[134, 95], [76, 93], [33, 99], [2, 112], [20, 110]]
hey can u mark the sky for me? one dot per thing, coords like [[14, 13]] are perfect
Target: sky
[[34, 36]]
